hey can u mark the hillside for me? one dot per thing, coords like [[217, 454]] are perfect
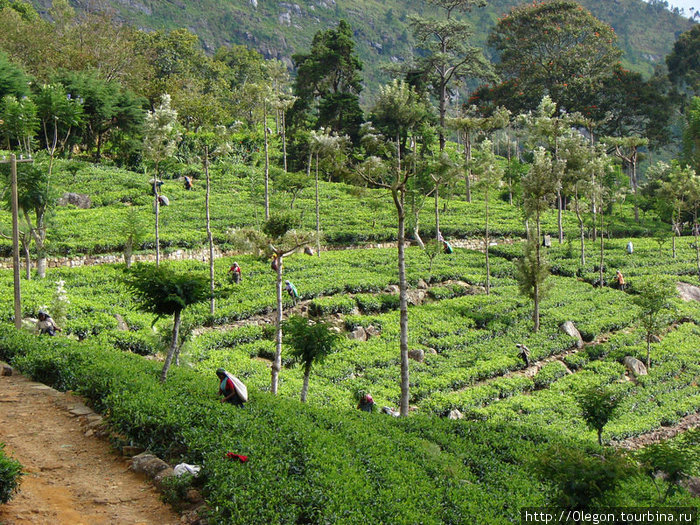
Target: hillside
[[278, 29]]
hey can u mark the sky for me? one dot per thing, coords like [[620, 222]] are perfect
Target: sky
[[685, 4]]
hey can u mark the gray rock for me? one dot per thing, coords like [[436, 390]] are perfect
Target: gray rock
[[570, 329], [635, 366], [431, 351], [358, 333], [455, 414], [78, 200], [422, 285], [6, 370], [148, 464], [162, 475], [693, 486], [655, 339], [416, 297], [417, 355], [392, 288]]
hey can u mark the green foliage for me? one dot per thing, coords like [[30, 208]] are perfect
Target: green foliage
[[684, 61], [13, 81], [676, 463], [597, 408], [549, 373], [579, 477], [277, 226], [162, 290], [10, 473]]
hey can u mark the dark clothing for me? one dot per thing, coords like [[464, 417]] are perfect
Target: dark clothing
[[235, 273], [447, 247], [366, 404], [226, 388]]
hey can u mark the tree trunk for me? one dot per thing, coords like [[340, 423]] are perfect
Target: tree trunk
[[536, 287], [398, 196], [602, 248], [468, 158], [284, 140], [27, 260], [634, 185], [128, 251], [648, 351], [305, 386], [318, 215], [488, 267], [437, 210], [559, 225], [155, 188], [212, 304], [581, 228], [697, 249], [277, 362], [173, 345], [267, 164]]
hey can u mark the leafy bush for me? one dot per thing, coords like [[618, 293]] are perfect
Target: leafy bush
[[331, 305], [10, 473], [549, 373]]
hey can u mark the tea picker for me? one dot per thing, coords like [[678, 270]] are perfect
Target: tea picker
[[292, 291], [233, 390]]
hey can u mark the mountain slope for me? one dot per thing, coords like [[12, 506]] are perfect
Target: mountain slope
[[281, 28]]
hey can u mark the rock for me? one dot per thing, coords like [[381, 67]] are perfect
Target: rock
[[417, 355], [431, 351], [569, 329], [78, 200], [392, 288], [131, 451], [162, 475], [121, 323], [372, 331], [422, 285], [455, 414], [194, 496], [635, 366], [693, 486], [688, 292], [655, 339], [335, 329], [416, 297], [358, 334], [6, 370], [148, 464]]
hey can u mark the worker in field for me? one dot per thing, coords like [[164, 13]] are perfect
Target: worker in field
[[188, 183], [227, 388], [163, 200], [524, 353], [630, 248], [366, 403], [292, 291], [235, 273], [274, 263], [46, 325], [620, 280], [447, 247]]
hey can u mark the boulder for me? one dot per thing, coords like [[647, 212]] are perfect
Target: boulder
[[78, 200], [148, 464], [416, 297], [372, 331], [655, 339], [693, 486], [392, 288], [570, 329], [422, 285], [335, 329], [635, 366], [5, 370], [417, 355], [431, 351], [121, 323], [455, 414], [358, 334]]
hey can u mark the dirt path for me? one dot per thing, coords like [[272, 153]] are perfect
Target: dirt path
[[71, 476]]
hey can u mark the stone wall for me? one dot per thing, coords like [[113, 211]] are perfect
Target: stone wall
[[203, 254]]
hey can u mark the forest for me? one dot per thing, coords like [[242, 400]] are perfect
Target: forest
[[499, 244]]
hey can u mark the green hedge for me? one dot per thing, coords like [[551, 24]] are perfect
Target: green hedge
[[10, 472]]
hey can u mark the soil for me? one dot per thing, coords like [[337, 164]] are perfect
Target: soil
[[70, 476]]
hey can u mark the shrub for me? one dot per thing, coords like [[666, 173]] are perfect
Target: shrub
[[549, 373], [10, 472]]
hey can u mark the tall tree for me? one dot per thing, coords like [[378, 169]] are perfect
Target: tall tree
[[161, 135], [328, 83], [447, 56], [654, 301], [539, 189], [554, 48], [627, 149], [490, 175], [684, 61], [398, 111]]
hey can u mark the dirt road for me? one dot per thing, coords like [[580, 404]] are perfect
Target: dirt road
[[71, 476]]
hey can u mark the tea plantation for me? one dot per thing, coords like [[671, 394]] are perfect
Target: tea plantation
[[324, 461]]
